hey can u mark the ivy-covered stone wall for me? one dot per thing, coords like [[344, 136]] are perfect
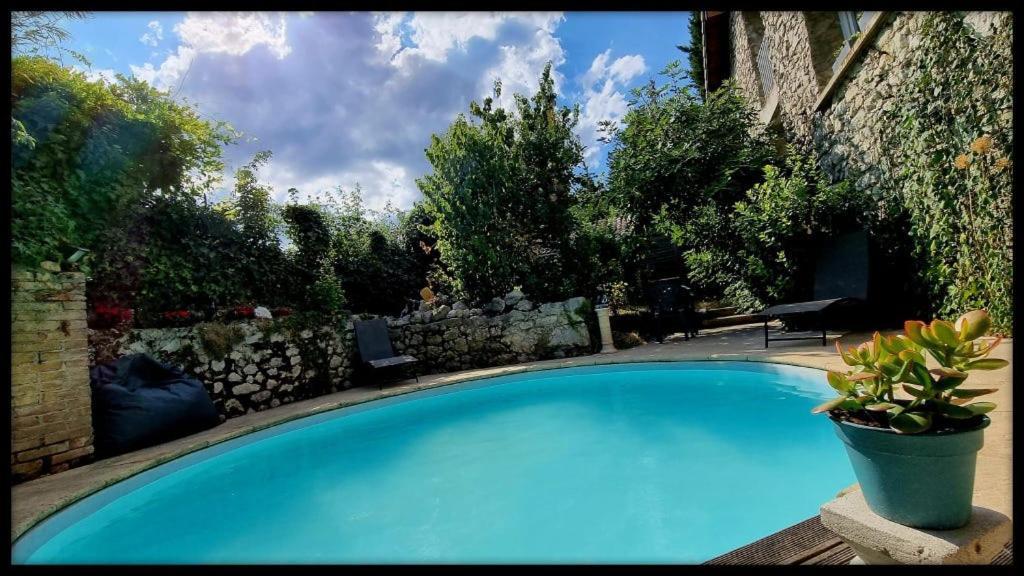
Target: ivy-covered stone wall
[[921, 120]]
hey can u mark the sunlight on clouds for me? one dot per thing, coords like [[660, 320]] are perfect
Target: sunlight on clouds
[[380, 182], [606, 102], [233, 33]]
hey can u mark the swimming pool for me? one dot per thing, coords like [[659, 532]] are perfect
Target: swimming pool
[[650, 462]]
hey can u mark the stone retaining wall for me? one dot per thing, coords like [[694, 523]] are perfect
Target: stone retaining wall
[[254, 365], [51, 422]]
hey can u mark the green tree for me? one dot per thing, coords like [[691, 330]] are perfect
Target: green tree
[[680, 165], [500, 194], [695, 54]]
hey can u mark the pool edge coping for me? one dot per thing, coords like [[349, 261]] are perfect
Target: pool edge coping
[[19, 528]]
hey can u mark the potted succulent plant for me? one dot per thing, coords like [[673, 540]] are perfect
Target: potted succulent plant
[[915, 455]]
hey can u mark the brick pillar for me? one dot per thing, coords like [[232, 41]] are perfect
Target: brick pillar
[[51, 404]]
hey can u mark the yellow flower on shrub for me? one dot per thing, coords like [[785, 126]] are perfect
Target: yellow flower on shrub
[[1002, 163], [982, 144], [962, 162]]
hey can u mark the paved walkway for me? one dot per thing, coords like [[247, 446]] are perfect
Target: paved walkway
[[35, 500]]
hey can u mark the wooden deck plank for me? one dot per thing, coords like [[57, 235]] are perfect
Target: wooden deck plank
[[807, 542]]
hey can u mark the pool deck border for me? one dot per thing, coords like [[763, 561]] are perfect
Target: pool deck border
[[34, 501]]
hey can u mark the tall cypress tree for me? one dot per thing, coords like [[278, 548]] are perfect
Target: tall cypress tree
[[695, 54]]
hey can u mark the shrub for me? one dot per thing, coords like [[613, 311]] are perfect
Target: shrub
[[219, 339], [625, 340]]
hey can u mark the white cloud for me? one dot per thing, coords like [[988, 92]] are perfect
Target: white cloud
[[381, 182], [520, 67], [606, 102], [155, 34], [434, 35], [339, 109], [388, 25], [167, 74], [107, 75], [233, 33]]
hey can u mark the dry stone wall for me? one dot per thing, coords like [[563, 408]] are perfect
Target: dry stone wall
[[51, 418], [259, 364]]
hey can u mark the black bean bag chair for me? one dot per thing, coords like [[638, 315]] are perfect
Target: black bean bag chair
[[138, 401]]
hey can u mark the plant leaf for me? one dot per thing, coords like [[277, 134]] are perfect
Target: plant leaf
[[972, 325], [865, 375], [952, 410], [987, 364], [910, 422], [826, 406], [973, 393], [881, 407], [944, 333], [839, 382], [912, 356], [979, 408], [913, 330], [916, 392]]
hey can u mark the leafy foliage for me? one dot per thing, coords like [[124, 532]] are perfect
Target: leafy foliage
[[880, 365], [97, 153], [500, 197], [679, 167], [783, 220], [951, 143]]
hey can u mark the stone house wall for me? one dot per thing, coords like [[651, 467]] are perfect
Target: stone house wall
[[846, 134], [743, 66], [262, 364], [51, 422]]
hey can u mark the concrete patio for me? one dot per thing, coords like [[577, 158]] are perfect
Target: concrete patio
[[35, 500]]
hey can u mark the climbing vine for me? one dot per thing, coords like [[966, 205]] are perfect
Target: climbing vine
[[952, 143]]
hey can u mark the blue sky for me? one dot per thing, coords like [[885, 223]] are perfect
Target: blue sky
[[341, 98]]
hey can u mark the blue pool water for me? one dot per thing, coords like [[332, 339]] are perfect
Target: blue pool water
[[656, 462]]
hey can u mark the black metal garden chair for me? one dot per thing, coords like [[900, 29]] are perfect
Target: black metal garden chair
[[376, 352]]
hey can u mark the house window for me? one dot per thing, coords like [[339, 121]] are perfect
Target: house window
[[764, 70], [848, 24], [757, 44], [827, 39], [851, 24]]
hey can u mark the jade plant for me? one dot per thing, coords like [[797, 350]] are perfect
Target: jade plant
[[882, 366]]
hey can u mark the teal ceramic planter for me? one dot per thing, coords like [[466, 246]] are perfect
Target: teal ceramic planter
[[918, 480]]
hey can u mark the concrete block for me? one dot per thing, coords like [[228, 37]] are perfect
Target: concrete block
[[880, 541]]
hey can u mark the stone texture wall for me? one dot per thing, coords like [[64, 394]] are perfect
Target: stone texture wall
[[789, 44], [259, 364], [252, 365], [846, 135], [743, 65], [510, 330], [51, 422]]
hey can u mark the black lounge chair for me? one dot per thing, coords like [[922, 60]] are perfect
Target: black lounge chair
[[375, 348], [840, 279]]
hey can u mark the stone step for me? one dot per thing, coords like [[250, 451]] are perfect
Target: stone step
[[732, 320], [719, 312]]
